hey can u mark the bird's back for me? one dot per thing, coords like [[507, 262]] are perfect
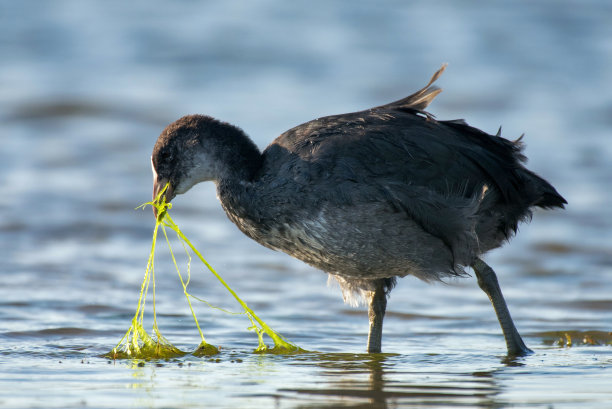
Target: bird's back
[[395, 189]]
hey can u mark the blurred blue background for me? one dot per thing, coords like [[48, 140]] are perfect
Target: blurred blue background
[[81, 78], [86, 88]]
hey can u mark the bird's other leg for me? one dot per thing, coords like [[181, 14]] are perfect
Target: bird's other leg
[[377, 304], [487, 281]]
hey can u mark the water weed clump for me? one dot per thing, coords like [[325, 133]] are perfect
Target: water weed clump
[[138, 344]]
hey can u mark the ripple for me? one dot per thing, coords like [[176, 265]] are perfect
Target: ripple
[[60, 332]]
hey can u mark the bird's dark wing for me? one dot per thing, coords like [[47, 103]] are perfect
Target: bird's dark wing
[[460, 184], [400, 144], [435, 172]]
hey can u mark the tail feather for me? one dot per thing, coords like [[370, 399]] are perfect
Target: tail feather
[[420, 99], [547, 195]]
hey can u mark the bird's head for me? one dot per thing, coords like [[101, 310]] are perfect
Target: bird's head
[[181, 156], [198, 148]]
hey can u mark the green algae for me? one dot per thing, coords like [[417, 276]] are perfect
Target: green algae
[[281, 345], [573, 338], [138, 344]]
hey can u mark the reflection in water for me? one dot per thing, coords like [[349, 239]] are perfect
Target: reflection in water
[[373, 381]]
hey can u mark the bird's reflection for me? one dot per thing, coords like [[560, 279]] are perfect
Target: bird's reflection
[[374, 381]]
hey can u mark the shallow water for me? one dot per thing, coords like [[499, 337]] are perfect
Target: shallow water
[[86, 89]]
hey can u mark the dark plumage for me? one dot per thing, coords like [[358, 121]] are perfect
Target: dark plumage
[[367, 196]]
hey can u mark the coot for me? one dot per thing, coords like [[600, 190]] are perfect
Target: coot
[[367, 196]]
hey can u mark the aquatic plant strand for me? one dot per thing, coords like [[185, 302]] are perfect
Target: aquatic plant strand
[[138, 344], [257, 324], [204, 348]]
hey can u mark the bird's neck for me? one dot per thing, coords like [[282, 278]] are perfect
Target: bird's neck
[[239, 199], [239, 161], [236, 181]]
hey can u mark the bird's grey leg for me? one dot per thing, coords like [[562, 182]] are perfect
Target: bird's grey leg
[[487, 281], [377, 304]]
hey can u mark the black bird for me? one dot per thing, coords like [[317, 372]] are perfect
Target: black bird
[[367, 196]]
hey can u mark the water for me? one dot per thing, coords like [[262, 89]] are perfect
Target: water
[[86, 89]]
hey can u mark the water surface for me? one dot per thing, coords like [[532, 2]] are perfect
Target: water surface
[[86, 89]]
